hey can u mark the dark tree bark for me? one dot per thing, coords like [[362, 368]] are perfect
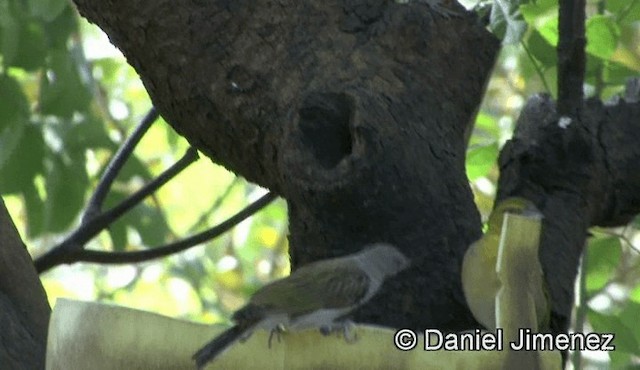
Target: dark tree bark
[[354, 111], [357, 113], [581, 172], [24, 310]]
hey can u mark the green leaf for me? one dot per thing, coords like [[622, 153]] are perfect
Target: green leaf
[[118, 235], [625, 340], [603, 256], [89, 133], [47, 10], [14, 107], [20, 167], [32, 48], [602, 36], [541, 50], [629, 317], [549, 30], [486, 127], [117, 230], [627, 10], [480, 160], [617, 74], [66, 185], [59, 29], [35, 211], [506, 21], [148, 221], [9, 34], [63, 91], [635, 294]]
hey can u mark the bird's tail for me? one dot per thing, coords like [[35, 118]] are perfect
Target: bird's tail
[[217, 345]]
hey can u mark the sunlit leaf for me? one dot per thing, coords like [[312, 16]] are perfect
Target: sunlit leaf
[[549, 31], [480, 160], [635, 294], [602, 36], [624, 341], [603, 256], [542, 50]]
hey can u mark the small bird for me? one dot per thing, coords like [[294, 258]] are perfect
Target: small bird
[[480, 282], [317, 295]]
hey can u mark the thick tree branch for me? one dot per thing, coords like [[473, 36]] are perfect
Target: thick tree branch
[[581, 173], [571, 57], [24, 309]]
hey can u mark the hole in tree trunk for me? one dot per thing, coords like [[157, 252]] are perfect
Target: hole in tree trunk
[[325, 120]]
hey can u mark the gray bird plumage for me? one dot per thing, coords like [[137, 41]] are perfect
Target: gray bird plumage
[[315, 295]]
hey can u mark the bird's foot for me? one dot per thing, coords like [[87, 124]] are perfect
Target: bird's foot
[[278, 330]]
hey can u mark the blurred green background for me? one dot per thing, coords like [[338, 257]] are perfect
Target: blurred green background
[[68, 99]]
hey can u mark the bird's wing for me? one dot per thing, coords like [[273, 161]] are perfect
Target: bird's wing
[[313, 287]]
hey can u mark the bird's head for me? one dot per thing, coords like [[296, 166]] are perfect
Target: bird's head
[[385, 258], [513, 205]]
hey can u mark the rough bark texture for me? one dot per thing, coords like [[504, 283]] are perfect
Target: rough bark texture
[[24, 310], [354, 111], [582, 172]]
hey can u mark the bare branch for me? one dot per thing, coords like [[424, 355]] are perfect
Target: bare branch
[[87, 231], [115, 165], [168, 249]]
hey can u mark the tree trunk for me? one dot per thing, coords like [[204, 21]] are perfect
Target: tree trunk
[[354, 112], [24, 310], [357, 113]]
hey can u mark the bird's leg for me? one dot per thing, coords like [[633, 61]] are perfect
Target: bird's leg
[[348, 331], [277, 330], [326, 330], [344, 327]]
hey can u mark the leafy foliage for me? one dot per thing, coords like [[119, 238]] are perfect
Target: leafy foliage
[[66, 105], [612, 272]]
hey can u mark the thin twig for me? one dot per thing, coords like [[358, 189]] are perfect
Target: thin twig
[[214, 207], [77, 240], [172, 248], [581, 309], [536, 67], [94, 206]]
